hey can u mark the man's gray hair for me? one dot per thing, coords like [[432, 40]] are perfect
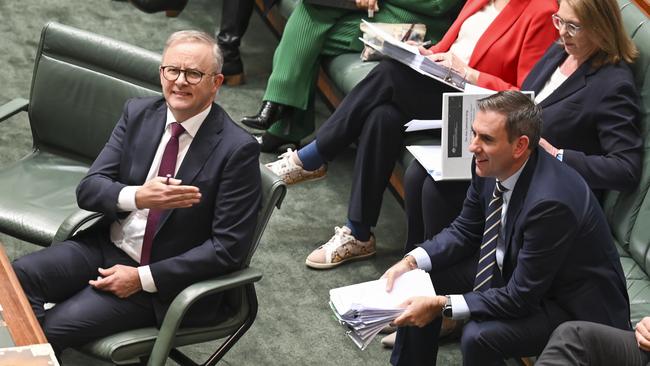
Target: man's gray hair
[[523, 116], [198, 36]]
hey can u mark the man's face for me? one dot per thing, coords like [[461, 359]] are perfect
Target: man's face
[[495, 156], [184, 99]]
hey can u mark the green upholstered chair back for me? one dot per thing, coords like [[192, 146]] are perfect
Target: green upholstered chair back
[[628, 213], [80, 83]]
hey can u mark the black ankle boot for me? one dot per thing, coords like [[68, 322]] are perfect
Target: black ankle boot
[[171, 7], [235, 15], [268, 115], [275, 144]]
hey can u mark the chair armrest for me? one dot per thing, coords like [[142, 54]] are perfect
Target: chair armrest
[[186, 298], [12, 107], [74, 222]]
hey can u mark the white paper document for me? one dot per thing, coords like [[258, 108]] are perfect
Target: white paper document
[[365, 308], [423, 124]]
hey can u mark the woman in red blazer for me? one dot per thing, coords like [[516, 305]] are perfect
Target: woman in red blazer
[[493, 43]]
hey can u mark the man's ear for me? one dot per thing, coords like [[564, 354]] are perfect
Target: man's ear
[[218, 80], [520, 146]]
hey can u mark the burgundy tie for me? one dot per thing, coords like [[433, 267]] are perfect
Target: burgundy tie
[[167, 167]]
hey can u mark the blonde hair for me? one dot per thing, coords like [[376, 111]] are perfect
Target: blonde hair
[[601, 19], [201, 37]]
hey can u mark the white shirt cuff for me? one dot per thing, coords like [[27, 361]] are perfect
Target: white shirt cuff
[[421, 258], [126, 199], [459, 308], [146, 279]]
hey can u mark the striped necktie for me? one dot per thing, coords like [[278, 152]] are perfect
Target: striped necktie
[[487, 258]]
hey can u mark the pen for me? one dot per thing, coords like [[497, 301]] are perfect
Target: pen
[[407, 35], [427, 44], [371, 13], [167, 181]]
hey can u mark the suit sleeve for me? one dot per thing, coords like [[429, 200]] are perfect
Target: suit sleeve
[[463, 237], [619, 165], [98, 191], [540, 258], [236, 207], [539, 35]]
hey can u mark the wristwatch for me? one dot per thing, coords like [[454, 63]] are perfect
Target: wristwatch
[[446, 310]]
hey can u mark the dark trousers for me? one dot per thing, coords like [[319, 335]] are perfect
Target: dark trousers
[[373, 114], [487, 342], [430, 206], [584, 343], [60, 274]]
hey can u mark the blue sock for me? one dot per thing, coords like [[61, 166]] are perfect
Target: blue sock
[[359, 231], [310, 157]]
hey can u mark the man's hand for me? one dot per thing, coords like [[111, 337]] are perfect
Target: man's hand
[[156, 193], [122, 281], [642, 334], [397, 270], [548, 147], [420, 310]]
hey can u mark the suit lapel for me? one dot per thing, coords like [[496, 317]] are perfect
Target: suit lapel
[[147, 142], [541, 75], [501, 24], [516, 202], [575, 82], [207, 138], [451, 35]]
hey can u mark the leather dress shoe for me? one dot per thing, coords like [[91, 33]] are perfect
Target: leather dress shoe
[[171, 7], [269, 114]]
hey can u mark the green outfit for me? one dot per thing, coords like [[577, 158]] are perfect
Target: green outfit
[[313, 31]]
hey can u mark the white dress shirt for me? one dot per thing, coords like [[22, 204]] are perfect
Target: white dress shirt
[[127, 234], [460, 310]]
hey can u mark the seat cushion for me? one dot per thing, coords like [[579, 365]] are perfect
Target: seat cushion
[[125, 347], [38, 192]]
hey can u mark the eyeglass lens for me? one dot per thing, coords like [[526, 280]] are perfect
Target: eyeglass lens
[[173, 73]]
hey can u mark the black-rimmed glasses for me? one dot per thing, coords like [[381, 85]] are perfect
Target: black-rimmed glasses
[[571, 28], [192, 76]]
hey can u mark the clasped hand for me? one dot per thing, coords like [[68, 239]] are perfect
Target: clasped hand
[[157, 194], [122, 281], [420, 310]]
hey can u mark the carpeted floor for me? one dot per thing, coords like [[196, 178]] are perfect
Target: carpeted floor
[[294, 325]]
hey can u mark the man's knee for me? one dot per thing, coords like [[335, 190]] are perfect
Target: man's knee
[[387, 121]]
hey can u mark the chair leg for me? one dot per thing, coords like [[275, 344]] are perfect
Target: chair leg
[[225, 347], [180, 358]]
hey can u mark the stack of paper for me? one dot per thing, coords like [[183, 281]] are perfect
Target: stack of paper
[[365, 308]]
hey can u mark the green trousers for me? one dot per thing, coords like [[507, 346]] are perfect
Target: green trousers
[[313, 31]]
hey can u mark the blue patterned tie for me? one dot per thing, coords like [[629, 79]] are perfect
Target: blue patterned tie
[[487, 258]]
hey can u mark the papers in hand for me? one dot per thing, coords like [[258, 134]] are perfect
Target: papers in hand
[[410, 56], [365, 308]]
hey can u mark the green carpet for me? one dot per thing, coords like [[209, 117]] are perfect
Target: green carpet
[[294, 325]]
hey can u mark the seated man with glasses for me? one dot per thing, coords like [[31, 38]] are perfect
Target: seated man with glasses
[[178, 184]]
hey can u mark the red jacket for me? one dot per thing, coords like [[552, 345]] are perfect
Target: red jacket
[[511, 45]]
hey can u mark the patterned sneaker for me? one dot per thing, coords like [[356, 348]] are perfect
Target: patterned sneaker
[[342, 247], [291, 172]]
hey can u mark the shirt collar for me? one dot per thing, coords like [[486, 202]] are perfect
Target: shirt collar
[[192, 124], [511, 181]]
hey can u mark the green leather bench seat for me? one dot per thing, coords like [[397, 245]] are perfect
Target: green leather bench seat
[[76, 98]]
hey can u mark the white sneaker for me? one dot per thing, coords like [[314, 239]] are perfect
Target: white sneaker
[[342, 247], [292, 173]]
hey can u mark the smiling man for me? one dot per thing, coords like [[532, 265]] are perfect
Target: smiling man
[[530, 249], [178, 186]]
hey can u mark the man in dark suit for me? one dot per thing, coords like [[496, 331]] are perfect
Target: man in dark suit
[[530, 250], [178, 185]]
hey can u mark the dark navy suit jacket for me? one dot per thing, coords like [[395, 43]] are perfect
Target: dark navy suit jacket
[[558, 248], [594, 117], [191, 244]]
